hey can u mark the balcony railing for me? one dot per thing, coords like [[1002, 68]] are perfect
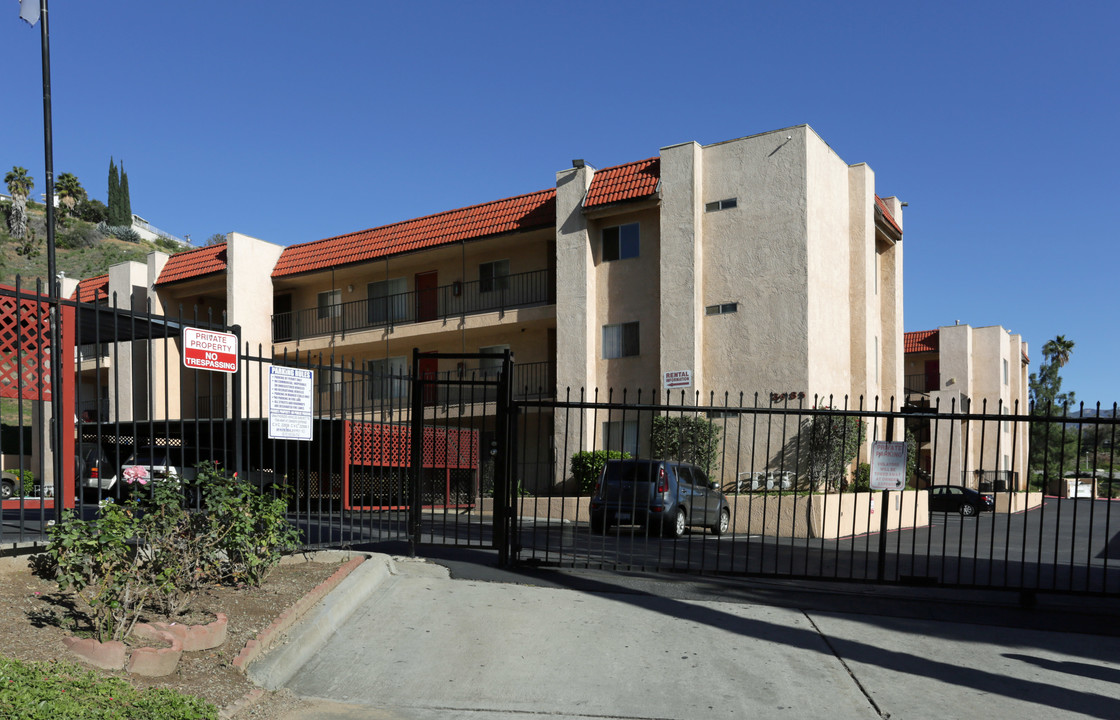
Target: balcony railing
[[459, 298], [922, 383], [531, 381], [989, 480]]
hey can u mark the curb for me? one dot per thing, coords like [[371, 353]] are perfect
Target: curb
[[264, 639], [351, 586], [268, 637]]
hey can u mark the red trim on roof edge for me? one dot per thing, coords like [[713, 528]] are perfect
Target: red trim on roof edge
[[498, 217], [887, 214]]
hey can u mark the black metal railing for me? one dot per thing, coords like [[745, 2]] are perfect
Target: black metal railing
[[459, 298], [466, 385], [990, 480], [922, 383]]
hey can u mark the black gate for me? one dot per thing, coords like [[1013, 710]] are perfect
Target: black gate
[[978, 507]]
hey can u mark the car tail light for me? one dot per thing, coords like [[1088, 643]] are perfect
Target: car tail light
[[93, 473], [662, 481], [987, 498]]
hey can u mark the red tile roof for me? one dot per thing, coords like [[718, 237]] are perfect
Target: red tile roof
[[624, 182], [921, 341], [194, 263], [516, 214], [92, 289], [887, 214]]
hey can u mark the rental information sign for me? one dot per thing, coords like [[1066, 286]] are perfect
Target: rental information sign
[[290, 403], [888, 465], [207, 350], [678, 379]]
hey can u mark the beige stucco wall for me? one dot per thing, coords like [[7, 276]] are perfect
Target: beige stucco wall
[[756, 255], [972, 362]]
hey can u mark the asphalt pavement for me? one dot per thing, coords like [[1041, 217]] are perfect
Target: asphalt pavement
[[412, 639]]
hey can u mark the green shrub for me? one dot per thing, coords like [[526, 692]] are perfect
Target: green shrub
[[66, 691], [28, 481], [862, 480], [587, 465], [686, 438], [79, 236]]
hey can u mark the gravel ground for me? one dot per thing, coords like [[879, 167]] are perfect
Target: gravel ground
[[35, 618]]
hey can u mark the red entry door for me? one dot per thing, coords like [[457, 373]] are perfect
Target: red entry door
[[427, 297], [429, 370]]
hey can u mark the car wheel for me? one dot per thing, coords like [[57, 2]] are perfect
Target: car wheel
[[680, 524], [724, 523], [6, 490], [968, 509]]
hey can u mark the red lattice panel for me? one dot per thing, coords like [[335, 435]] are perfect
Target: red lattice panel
[[24, 348], [391, 445]]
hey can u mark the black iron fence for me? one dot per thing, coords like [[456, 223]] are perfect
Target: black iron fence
[[504, 292], [455, 455], [782, 490]]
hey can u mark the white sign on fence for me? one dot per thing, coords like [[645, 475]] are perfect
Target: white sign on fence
[[888, 465], [290, 403]]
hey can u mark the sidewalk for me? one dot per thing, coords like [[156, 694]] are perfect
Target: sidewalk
[[419, 645]]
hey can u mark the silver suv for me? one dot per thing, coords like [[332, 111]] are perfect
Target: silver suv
[[662, 495]]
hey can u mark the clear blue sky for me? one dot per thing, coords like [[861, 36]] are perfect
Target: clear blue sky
[[292, 121]]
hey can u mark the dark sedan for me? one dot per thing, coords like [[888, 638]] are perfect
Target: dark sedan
[[954, 498]]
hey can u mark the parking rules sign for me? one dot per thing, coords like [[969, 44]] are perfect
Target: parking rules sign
[[208, 350]]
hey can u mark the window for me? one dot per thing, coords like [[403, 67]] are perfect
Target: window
[[388, 378], [726, 204], [620, 242], [1006, 375], [330, 304], [493, 276], [620, 340], [621, 435], [388, 301], [330, 379], [491, 367], [721, 309]]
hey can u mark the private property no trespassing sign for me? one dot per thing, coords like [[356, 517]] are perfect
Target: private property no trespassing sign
[[208, 350]]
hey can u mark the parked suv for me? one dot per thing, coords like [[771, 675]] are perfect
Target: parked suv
[[664, 496]]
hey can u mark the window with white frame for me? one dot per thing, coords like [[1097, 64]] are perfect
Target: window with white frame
[[493, 276], [387, 300], [620, 242], [621, 435], [620, 340], [330, 304], [388, 378]]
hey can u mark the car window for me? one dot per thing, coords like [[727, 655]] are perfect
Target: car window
[[685, 474], [699, 477], [954, 491]]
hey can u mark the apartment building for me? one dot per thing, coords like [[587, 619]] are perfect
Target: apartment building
[[984, 371], [766, 266]]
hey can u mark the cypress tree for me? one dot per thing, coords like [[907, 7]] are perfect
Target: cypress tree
[[114, 194], [126, 203]]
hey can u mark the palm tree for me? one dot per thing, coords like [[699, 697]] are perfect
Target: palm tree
[[1060, 349], [19, 182], [70, 191], [19, 185]]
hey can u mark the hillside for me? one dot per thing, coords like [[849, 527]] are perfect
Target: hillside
[[81, 251]]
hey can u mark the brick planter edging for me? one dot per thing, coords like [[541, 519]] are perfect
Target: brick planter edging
[[265, 639]]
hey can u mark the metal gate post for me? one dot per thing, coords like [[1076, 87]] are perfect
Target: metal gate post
[[881, 566], [416, 455], [503, 463], [238, 437]]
